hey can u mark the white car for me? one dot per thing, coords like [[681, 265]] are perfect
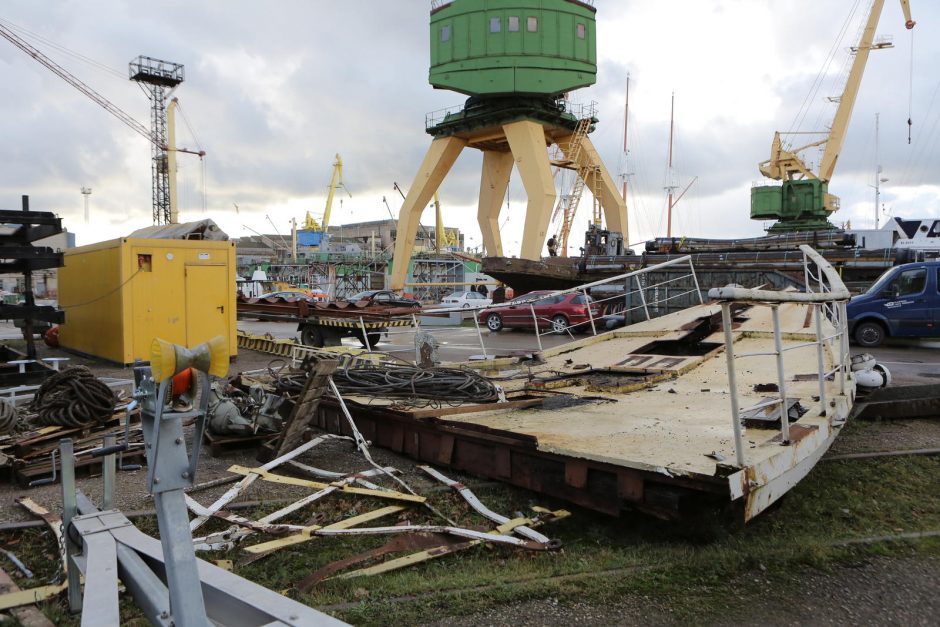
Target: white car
[[466, 300]]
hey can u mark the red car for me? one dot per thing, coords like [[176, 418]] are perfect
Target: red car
[[553, 312]]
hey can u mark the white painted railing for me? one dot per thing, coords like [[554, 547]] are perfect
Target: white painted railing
[[827, 295]]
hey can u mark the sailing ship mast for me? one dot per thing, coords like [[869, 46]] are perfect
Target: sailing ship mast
[[670, 180]]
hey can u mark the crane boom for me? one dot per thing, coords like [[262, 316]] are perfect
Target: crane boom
[[849, 95], [69, 78], [335, 181], [78, 84]]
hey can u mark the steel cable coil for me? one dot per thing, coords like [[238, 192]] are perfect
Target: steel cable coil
[[9, 417], [73, 397], [413, 384], [408, 383]]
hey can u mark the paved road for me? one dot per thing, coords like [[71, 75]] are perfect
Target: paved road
[[911, 362], [455, 343]]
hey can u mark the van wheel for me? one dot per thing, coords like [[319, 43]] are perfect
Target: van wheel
[[869, 334]]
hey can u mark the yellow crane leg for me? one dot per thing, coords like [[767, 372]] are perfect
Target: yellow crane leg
[[497, 167], [602, 187], [605, 190], [438, 161], [527, 142]]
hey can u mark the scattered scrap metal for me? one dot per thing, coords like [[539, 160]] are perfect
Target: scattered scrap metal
[[436, 540]]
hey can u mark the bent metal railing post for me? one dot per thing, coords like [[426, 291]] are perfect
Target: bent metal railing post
[[781, 375], [587, 305], [832, 293], [535, 321]]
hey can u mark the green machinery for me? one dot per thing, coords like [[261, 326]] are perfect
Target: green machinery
[[499, 47], [515, 59], [802, 201]]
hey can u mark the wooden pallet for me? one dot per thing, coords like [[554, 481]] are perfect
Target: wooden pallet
[[31, 455]]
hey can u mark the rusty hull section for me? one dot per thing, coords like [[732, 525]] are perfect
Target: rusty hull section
[[515, 459]]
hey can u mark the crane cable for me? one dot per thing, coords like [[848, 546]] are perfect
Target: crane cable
[[910, 91]]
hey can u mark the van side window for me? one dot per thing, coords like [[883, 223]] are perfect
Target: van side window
[[910, 282]]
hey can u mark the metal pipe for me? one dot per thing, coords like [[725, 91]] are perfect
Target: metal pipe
[[476, 323], [733, 384], [843, 345], [587, 303], [781, 377], [147, 589], [69, 511], [365, 336], [698, 290], [642, 296], [818, 310], [535, 320], [107, 472]]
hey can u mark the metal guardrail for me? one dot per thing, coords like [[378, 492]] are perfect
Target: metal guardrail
[[628, 285], [826, 293]]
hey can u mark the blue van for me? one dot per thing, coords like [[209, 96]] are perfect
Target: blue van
[[903, 302]]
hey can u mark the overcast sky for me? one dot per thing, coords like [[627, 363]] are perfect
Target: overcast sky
[[273, 90]]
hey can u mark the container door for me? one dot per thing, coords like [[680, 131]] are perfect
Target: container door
[[206, 300]]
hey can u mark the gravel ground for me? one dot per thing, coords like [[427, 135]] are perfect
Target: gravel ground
[[877, 592], [889, 435], [130, 493]]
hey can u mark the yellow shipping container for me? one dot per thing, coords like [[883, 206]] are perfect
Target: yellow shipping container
[[121, 294]]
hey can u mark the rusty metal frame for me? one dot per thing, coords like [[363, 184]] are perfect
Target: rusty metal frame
[[516, 459]]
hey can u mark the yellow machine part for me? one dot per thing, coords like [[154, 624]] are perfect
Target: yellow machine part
[[121, 294]]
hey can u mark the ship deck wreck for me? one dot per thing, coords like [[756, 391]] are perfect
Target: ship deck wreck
[[642, 417]]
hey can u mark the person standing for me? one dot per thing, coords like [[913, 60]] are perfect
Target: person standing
[[499, 294], [552, 246]]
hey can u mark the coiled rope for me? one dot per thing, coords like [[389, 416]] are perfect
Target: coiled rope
[[73, 397], [9, 417]]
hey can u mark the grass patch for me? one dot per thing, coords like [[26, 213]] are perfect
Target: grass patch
[[603, 560]]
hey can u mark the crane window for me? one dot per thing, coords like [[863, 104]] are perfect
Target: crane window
[[495, 24], [580, 31], [512, 24], [532, 24], [445, 32]]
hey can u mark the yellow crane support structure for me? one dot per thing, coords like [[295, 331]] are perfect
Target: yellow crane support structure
[[585, 174], [310, 223]]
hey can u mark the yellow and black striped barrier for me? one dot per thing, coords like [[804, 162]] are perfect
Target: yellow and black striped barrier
[[354, 323]]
